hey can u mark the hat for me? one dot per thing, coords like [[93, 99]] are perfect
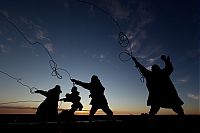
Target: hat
[[57, 88]]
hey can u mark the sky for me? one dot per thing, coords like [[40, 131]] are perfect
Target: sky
[[82, 39]]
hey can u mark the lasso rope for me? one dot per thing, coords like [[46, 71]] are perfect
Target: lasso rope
[[19, 80], [104, 11], [122, 37], [52, 62]]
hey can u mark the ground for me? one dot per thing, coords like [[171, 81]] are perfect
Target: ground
[[142, 123]]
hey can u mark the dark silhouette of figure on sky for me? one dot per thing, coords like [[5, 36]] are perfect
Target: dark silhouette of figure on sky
[[48, 109], [98, 99], [162, 92], [75, 99], [68, 115]]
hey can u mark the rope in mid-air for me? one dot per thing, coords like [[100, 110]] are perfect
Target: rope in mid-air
[[52, 62], [123, 40], [19, 80], [122, 37]]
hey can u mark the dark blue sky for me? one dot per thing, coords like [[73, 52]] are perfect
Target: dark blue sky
[[82, 39]]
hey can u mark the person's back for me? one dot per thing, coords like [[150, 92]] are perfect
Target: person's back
[[97, 92], [48, 109]]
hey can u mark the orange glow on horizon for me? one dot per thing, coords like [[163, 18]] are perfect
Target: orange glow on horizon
[[32, 110]]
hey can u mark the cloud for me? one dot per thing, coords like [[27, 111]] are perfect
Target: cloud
[[143, 16], [49, 47], [117, 10], [32, 31], [149, 62], [66, 4], [91, 11], [39, 34], [182, 81], [9, 39], [2, 49], [5, 13], [152, 60], [101, 57], [42, 35], [192, 96], [190, 54], [17, 107], [113, 8]]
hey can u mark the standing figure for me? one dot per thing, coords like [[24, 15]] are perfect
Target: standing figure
[[98, 99], [162, 92], [48, 109]]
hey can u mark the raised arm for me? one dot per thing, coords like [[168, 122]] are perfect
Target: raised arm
[[168, 65], [145, 72]]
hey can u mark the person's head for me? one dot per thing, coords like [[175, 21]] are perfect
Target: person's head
[[54, 92], [57, 89], [94, 78], [155, 68], [67, 95], [74, 89]]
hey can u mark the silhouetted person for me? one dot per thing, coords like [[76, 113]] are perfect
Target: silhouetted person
[[162, 92], [68, 115], [75, 99], [98, 99], [48, 109]]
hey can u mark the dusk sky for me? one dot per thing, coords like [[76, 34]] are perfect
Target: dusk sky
[[82, 38]]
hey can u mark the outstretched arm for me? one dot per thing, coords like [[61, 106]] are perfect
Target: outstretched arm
[[63, 99], [45, 93], [142, 69], [168, 65], [67, 98], [83, 84]]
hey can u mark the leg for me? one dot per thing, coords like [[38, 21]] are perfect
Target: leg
[[80, 107], [93, 110], [72, 110], [178, 110], [154, 110], [107, 110]]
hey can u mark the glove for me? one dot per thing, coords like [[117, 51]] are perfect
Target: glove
[[73, 80], [168, 58], [37, 91], [163, 57]]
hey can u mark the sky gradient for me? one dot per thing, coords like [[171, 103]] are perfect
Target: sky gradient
[[83, 39]]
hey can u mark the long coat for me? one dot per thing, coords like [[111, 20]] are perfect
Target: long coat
[[48, 109], [96, 93], [160, 87]]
